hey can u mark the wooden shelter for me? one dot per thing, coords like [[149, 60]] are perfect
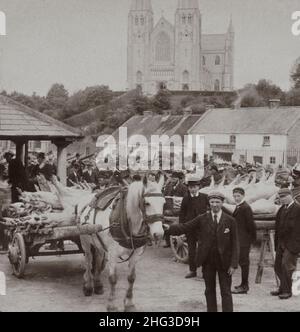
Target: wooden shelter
[[21, 124]]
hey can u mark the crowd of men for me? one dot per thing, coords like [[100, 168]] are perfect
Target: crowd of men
[[218, 240]]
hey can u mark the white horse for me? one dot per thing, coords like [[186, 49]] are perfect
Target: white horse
[[144, 211]]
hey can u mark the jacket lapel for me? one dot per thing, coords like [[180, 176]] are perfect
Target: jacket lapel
[[210, 221], [221, 225]]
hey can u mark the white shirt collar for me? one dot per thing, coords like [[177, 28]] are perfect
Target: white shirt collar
[[290, 204], [195, 195], [240, 203], [219, 215]]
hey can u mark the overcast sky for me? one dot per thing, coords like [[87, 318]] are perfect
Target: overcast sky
[[83, 42]]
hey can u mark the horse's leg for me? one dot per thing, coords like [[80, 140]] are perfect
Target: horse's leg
[[113, 278], [128, 301], [88, 259], [99, 261]]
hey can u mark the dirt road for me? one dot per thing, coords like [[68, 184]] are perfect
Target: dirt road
[[55, 284]]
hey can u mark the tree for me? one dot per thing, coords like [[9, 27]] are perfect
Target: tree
[[295, 76], [57, 97], [140, 104], [161, 101]]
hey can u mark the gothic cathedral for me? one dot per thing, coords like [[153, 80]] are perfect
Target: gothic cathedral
[[177, 57]]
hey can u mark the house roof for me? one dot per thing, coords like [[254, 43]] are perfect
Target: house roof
[[148, 125], [213, 42], [256, 120], [17, 120]]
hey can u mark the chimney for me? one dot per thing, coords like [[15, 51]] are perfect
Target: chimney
[[209, 107], [187, 111], [274, 103]]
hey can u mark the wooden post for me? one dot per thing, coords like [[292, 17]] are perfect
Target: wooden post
[[62, 161], [26, 155], [20, 150]]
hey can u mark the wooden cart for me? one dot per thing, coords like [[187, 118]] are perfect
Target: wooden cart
[[26, 242]]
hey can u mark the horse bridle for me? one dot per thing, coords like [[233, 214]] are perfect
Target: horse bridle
[[150, 219]]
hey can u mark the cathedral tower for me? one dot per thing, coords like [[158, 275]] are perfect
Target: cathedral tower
[[187, 45], [140, 26]]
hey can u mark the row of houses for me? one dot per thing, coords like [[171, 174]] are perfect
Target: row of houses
[[265, 135]]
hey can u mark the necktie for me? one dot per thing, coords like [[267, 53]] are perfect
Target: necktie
[[215, 220]]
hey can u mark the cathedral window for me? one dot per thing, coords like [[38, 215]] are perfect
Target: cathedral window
[[136, 20], [163, 47], [142, 20], [204, 60], [217, 60], [190, 19], [185, 76], [217, 85], [183, 19]]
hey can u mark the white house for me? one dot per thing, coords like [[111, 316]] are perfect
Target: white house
[[267, 135]]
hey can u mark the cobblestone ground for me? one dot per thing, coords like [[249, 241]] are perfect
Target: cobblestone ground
[[55, 284]]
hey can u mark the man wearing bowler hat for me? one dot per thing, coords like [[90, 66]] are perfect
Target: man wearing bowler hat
[[218, 249], [193, 205], [287, 243]]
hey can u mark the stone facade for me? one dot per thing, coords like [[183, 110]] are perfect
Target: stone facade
[[177, 57]]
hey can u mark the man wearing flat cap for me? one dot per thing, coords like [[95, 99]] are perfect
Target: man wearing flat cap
[[247, 235], [218, 250], [193, 205], [287, 243]]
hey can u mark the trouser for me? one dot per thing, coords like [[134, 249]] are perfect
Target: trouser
[[192, 246], [285, 265], [14, 195], [244, 263], [210, 271]]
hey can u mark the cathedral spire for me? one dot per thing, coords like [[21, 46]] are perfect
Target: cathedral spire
[[141, 5], [230, 27], [188, 4]]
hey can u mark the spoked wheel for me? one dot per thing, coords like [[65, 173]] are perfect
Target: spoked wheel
[[17, 255], [180, 248]]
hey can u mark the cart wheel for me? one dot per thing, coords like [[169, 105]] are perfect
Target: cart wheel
[[17, 255], [180, 248]]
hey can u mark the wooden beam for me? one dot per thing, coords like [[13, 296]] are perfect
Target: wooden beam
[[62, 160]]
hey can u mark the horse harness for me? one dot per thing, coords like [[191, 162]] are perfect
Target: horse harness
[[121, 227]]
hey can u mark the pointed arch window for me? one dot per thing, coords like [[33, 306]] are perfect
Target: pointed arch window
[[163, 47], [139, 77], [190, 19], [136, 20], [142, 20], [185, 77], [204, 60], [217, 85], [217, 60], [183, 19]]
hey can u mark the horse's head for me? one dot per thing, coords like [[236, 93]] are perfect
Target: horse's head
[[145, 203]]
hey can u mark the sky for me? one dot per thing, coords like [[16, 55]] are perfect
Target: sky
[[81, 43]]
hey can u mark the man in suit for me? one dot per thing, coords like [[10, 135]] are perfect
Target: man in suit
[[193, 205], [247, 235], [17, 176], [218, 250], [287, 243], [89, 175]]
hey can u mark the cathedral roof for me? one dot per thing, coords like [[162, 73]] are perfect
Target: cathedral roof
[[253, 120], [188, 4], [213, 42], [141, 5]]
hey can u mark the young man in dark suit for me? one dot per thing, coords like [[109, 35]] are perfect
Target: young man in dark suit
[[287, 243], [218, 250], [247, 235], [193, 205]]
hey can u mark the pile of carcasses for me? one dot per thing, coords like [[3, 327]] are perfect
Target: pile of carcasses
[[261, 195], [56, 208]]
